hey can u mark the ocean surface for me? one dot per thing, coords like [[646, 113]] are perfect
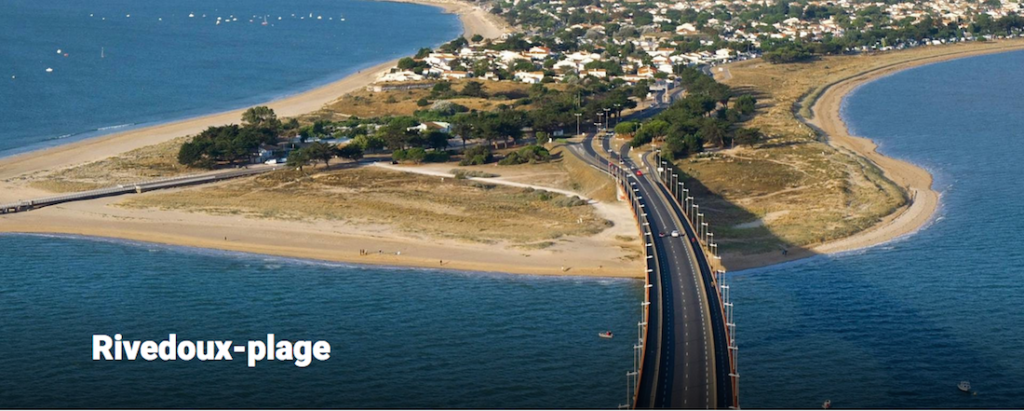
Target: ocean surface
[[899, 325], [400, 337], [132, 63]]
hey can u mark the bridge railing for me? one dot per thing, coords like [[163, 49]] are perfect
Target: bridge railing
[[669, 176], [636, 204], [166, 182]]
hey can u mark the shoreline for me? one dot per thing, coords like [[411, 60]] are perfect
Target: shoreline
[[923, 200], [322, 241], [473, 20]]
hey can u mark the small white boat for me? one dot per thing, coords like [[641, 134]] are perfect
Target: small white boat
[[49, 70], [826, 405], [191, 15], [964, 386], [606, 334]]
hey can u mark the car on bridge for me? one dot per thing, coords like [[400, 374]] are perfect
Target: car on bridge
[[675, 233]]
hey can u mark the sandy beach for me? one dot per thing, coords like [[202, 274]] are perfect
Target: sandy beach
[[337, 241], [474, 21], [321, 240], [917, 182]]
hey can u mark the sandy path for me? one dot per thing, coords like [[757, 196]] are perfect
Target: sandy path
[[493, 180]]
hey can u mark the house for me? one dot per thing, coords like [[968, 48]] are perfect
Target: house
[[530, 77], [402, 75], [538, 53], [432, 125], [454, 75]]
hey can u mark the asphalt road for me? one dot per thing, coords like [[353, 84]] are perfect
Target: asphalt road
[[679, 363]]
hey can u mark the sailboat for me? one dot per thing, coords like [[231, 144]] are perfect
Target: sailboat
[[102, 53], [265, 20]]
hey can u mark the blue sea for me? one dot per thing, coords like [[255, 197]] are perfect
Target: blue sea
[[899, 325], [132, 63], [896, 325]]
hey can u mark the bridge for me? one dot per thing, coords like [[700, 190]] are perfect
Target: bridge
[[686, 353], [136, 188]]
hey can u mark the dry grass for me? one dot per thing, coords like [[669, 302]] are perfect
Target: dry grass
[[416, 205], [815, 192], [146, 163], [585, 179], [364, 103]]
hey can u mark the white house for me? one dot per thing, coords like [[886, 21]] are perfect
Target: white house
[[530, 77]]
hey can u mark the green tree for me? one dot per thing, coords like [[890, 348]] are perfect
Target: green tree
[[462, 126], [259, 115], [437, 140], [350, 151], [746, 104], [748, 136], [625, 128], [474, 89], [320, 151], [298, 158]]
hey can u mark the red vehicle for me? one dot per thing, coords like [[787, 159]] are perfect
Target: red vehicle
[[639, 173]]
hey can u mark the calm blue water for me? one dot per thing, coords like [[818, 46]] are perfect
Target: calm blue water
[[156, 71], [400, 337], [894, 326], [899, 325]]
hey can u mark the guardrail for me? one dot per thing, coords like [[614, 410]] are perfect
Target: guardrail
[[633, 377], [669, 176], [653, 267], [161, 183]]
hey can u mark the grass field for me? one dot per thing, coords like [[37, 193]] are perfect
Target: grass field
[[365, 103], [146, 163], [415, 205]]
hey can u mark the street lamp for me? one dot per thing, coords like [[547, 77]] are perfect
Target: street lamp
[[606, 110], [578, 115]]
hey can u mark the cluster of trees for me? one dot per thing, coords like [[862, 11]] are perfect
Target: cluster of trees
[[527, 155], [233, 143], [702, 117], [324, 152]]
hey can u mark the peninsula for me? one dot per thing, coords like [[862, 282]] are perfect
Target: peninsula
[[479, 130]]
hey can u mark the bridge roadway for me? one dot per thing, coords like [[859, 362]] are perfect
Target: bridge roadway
[[141, 187], [679, 369]]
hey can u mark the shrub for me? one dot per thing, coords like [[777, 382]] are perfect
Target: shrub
[[475, 156], [464, 174], [529, 154], [436, 157], [574, 201], [422, 102]]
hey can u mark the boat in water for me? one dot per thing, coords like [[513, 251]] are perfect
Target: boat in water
[[827, 405], [964, 386], [606, 334]]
